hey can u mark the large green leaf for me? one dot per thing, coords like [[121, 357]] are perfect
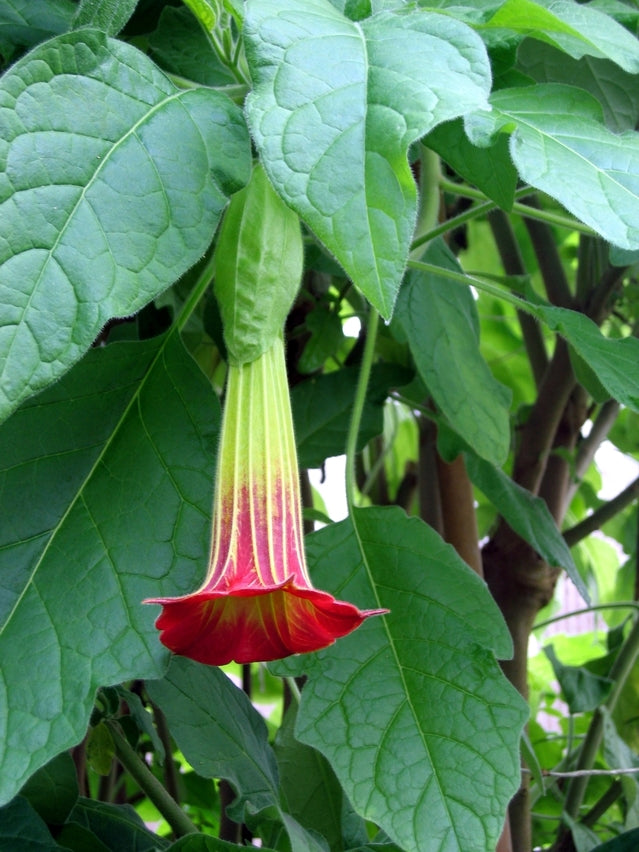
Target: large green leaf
[[112, 185], [412, 710], [576, 28], [336, 105], [440, 321], [528, 515], [105, 495], [560, 145]]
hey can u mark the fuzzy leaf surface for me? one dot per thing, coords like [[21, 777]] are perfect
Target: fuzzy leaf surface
[[412, 710], [105, 499], [336, 105], [560, 146], [112, 182]]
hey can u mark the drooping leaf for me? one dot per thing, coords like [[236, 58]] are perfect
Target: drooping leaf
[[412, 710], [116, 826], [336, 105], [322, 408], [613, 361], [527, 515], [489, 169], [205, 843], [21, 827], [582, 690], [105, 494], [53, 790], [311, 793], [106, 15], [236, 745], [180, 45], [577, 29], [560, 146], [111, 187], [197, 698], [440, 321]]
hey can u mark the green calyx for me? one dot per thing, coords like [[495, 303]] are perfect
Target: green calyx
[[259, 262]]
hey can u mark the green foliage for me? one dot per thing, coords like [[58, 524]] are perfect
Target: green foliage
[[427, 671], [337, 155]]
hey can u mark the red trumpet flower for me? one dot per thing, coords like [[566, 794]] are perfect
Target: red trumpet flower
[[257, 602]]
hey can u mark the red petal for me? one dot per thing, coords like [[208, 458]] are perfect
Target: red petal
[[254, 624]]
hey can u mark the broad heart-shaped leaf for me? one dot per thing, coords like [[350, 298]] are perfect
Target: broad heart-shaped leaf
[[411, 709], [105, 499], [440, 322], [528, 515], [336, 105], [560, 146], [112, 183], [576, 29]]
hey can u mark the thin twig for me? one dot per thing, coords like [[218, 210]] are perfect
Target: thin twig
[[603, 514]]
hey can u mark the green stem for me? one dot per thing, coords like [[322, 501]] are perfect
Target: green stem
[[522, 209], [619, 672], [480, 283], [149, 784], [358, 406], [616, 605]]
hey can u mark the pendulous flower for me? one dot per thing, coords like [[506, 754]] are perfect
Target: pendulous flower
[[257, 602]]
